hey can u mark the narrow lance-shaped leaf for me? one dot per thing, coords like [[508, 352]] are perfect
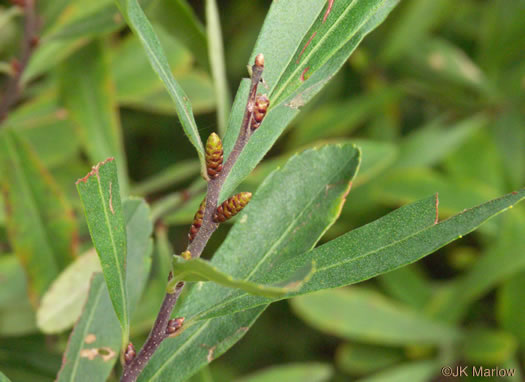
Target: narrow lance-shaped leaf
[[201, 270], [334, 26], [280, 41], [40, 223], [93, 346], [100, 195], [217, 64], [346, 313], [379, 247], [291, 372], [140, 25], [87, 91], [307, 195], [98, 327], [420, 371]]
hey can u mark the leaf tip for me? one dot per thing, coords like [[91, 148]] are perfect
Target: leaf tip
[[94, 171]]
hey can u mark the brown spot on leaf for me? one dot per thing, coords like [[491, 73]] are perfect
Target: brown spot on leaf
[[90, 338], [105, 353]]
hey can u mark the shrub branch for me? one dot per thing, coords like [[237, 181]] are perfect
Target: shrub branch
[[159, 331]]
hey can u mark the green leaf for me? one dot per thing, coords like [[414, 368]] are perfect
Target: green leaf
[[16, 313], [504, 257], [431, 143], [87, 91], [342, 118], [408, 185], [306, 194], [147, 91], [292, 372], [201, 270], [170, 176], [140, 25], [360, 359], [320, 31], [397, 239], [217, 64], [409, 285], [94, 344], [511, 312], [347, 313], [32, 201], [3, 378], [63, 302], [280, 41], [414, 22], [100, 195], [488, 347], [188, 29], [98, 316], [421, 371], [47, 127]]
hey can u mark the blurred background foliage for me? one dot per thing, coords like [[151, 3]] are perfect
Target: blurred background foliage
[[435, 96]]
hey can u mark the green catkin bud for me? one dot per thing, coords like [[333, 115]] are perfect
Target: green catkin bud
[[197, 221], [214, 155], [260, 108], [232, 207]]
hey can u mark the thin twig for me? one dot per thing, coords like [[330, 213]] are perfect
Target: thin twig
[[158, 333], [29, 42]]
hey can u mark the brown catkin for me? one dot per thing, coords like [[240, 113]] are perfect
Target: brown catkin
[[197, 221], [260, 108], [232, 206], [214, 155]]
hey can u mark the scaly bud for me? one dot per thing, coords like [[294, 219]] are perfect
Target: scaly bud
[[197, 221], [259, 60], [214, 155], [130, 353], [261, 107], [174, 324], [232, 206]]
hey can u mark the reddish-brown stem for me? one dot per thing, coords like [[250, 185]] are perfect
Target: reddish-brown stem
[[158, 332], [13, 89]]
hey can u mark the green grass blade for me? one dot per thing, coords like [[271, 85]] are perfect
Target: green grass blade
[[140, 25], [100, 195]]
